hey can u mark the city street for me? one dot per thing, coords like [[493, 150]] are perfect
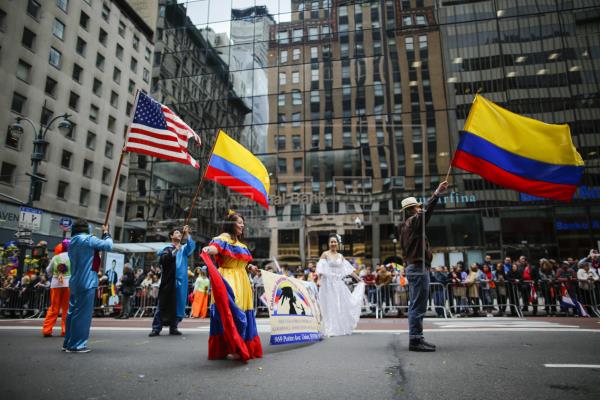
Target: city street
[[476, 358]]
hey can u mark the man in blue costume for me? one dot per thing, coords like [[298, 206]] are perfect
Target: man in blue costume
[[82, 284], [173, 291]]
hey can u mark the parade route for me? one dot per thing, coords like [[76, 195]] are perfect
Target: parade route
[[476, 358]]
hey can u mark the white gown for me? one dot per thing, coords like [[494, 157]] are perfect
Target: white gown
[[340, 308]]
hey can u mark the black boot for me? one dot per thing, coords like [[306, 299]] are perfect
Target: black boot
[[420, 345]]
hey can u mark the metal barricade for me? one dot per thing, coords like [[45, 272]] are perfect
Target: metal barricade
[[587, 297]]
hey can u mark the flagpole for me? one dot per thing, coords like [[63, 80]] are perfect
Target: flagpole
[[187, 219], [118, 174]]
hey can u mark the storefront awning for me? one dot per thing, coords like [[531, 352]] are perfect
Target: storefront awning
[[150, 247]]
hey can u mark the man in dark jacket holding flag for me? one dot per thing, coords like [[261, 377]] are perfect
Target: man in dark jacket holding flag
[[416, 251]]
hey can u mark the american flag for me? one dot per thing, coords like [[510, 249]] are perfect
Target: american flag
[[158, 132]]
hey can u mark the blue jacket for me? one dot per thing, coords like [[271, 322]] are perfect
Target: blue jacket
[[81, 254], [181, 273]]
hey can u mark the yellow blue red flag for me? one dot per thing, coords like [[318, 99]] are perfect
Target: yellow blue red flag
[[519, 153], [234, 166]]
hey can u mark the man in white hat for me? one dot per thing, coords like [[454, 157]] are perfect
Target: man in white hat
[[417, 255]]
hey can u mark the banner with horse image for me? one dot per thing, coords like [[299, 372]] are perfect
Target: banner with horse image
[[294, 313]]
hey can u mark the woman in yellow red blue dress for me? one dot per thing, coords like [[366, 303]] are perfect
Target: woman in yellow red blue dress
[[233, 332]]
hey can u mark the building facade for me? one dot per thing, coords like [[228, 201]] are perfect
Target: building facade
[[84, 58], [191, 78], [363, 105]]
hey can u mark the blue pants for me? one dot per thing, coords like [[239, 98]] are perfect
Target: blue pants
[[157, 323], [418, 285], [79, 319]]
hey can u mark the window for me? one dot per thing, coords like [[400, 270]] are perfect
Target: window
[[296, 54], [74, 101], [90, 140], [100, 62], [282, 78], [103, 202], [136, 42], [54, 57], [61, 191], [84, 197], [50, 88], [314, 53], [128, 108], [297, 165], [280, 142], [420, 20], [313, 33], [281, 100], [23, 71], [94, 113], [296, 98], [283, 37], [105, 12], [80, 46], [106, 175], [133, 65], [33, 8], [296, 120], [283, 56], [63, 4], [297, 35], [122, 182], [407, 20], [295, 77], [28, 38], [141, 187], [66, 159], [409, 42], [12, 139], [131, 86], [77, 70], [58, 29], [97, 87], [84, 20], [282, 165], [122, 28], [7, 173], [117, 75], [296, 142], [146, 75], [119, 207], [108, 150], [46, 116], [119, 52], [88, 168], [114, 99], [147, 54], [112, 122], [18, 103], [102, 36]]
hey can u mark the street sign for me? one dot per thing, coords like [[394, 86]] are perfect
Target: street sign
[[24, 238], [65, 223], [30, 218]]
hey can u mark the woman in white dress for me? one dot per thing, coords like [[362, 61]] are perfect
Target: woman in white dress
[[340, 308]]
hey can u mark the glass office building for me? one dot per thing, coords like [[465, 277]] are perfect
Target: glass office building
[[354, 105]]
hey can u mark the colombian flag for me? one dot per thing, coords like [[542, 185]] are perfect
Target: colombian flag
[[519, 153], [232, 165]]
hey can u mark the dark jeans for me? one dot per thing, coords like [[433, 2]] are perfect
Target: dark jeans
[[418, 283], [157, 323], [125, 305]]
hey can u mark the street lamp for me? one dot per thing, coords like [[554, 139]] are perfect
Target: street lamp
[[39, 145], [395, 241]]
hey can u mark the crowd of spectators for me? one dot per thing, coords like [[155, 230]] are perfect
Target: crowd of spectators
[[511, 287]]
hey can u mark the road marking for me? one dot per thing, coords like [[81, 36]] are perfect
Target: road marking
[[572, 365], [267, 329]]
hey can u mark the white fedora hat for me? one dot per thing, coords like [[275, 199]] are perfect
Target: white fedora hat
[[409, 202]]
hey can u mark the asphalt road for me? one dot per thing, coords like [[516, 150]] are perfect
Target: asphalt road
[[469, 364]]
